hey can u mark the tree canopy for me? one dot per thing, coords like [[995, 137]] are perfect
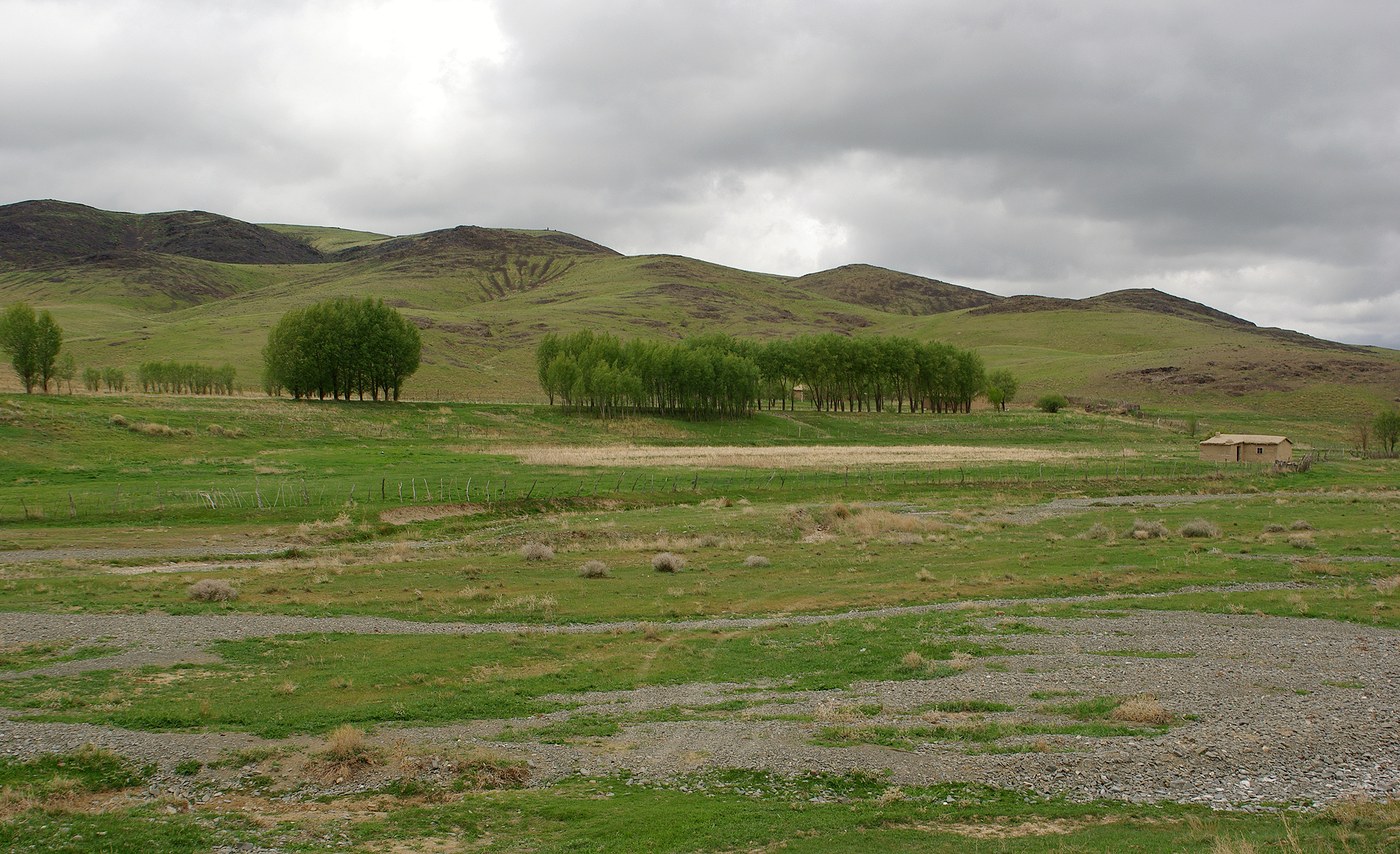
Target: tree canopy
[[33, 343], [340, 348], [719, 375]]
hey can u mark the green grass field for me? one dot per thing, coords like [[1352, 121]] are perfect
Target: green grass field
[[115, 505]]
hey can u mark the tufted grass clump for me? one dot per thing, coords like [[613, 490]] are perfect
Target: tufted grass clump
[[1142, 709], [1145, 530], [757, 562], [537, 552], [668, 562], [594, 569], [212, 590], [1098, 531], [1200, 529], [346, 746]]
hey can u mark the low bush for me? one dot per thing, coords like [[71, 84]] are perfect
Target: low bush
[[1200, 528], [212, 590], [537, 551], [668, 562], [1300, 541], [593, 569], [757, 561], [1051, 403], [1301, 525]]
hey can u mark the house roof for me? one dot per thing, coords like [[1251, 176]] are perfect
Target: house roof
[[1246, 439]]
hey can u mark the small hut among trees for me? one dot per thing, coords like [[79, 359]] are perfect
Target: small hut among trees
[[1245, 448]]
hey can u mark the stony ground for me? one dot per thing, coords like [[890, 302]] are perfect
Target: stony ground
[[1268, 709]]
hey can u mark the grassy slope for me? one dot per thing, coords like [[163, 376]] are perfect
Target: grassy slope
[[483, 298]]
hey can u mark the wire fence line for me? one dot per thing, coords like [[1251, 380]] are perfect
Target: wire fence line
[[258, 495]]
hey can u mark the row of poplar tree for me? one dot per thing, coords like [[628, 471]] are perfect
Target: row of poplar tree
[[719, 375], [340, 349], [184, 378]]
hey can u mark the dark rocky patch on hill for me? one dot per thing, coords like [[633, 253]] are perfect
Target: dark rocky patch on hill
[[45, 233], [477, 242], [891, 291]]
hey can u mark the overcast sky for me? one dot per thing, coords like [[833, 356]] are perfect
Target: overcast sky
[[1244, 154]]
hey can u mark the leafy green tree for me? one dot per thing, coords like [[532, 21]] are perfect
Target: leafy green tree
[[1387, 429], [341, 348], [33, 343], [92, 379], [114, 379], [1001, 388], [65, 371]]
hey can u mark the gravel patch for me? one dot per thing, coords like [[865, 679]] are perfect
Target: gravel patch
[[1270, 709]]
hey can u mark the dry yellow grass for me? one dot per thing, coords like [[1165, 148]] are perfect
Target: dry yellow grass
[[792, 457], [1143, 709], [347, 745]]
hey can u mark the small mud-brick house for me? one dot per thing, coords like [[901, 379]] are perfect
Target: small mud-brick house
[[1242, 448]]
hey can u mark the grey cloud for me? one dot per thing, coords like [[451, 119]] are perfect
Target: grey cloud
[[1061, 148]]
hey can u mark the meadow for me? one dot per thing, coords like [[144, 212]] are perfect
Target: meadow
[[445, 626]]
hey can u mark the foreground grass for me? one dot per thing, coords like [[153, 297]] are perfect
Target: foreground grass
[[719, 812], [274, 687]]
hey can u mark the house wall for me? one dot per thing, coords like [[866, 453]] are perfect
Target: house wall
[[1218, 453], [1247, 453], [1265, 453]]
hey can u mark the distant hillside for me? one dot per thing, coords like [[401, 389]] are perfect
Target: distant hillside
[[891, 291], [198, 286], [48, 232], [1156, 302]]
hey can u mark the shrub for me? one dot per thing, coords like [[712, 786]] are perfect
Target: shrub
[[537, 551], [118, 421], [1200, 528], [912, 660], [1144, 530], [1300, 541], [212, 590], [1051, 403], [668, 562], [757, 561], [593, 569], [924, 575], [1274, 528], [1301, 525]]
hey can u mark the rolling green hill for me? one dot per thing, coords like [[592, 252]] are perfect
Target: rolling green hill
[[198, 286]]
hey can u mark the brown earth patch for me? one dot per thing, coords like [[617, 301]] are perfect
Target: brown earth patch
[[428, 513], [790, 457], [1009, 830]]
